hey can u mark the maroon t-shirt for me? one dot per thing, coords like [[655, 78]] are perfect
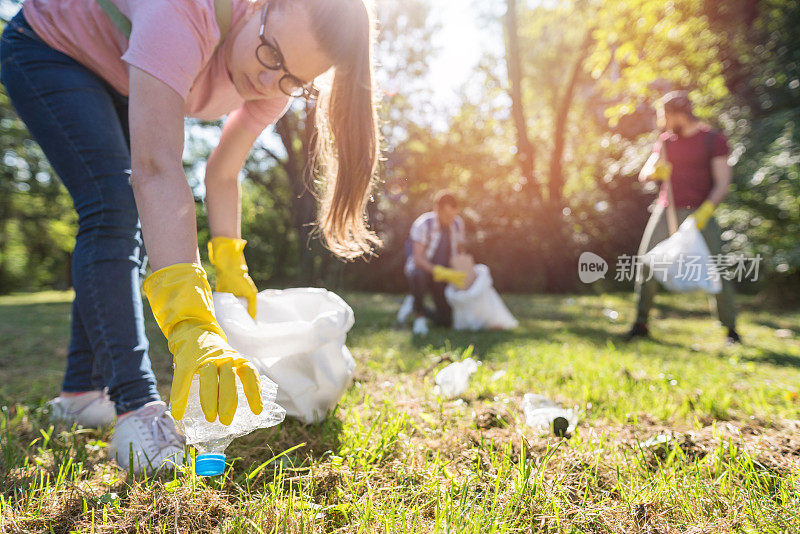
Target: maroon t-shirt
[[691, 166]]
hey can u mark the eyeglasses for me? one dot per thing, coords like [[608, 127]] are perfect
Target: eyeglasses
[[270, 56]]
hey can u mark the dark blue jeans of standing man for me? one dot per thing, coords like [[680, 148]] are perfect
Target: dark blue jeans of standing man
[[421, 284], [81, 123]]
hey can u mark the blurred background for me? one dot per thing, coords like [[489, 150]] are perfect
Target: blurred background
[[537, 113]]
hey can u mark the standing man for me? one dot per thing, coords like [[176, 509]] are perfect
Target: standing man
[[694, 158], [435, 237]]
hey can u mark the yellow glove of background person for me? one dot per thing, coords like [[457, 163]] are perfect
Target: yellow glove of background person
[[703, 214], [227, 255], [662, 171], [180, 298], [451, 276]]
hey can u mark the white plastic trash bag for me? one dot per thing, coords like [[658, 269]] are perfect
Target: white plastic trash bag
[[682, 261], [298, 341], [479, 306]]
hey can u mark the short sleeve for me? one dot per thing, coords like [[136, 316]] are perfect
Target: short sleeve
[[720, 146], [418, 233], [172, 41], [461, 230], [258, 114]]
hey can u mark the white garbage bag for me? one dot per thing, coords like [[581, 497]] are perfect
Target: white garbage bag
[[298, 341], [479, 306], [682, 261]]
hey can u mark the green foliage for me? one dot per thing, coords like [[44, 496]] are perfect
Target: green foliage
[[266, 209], [646, 46], [764, 213], [37, 222], [272, 242]]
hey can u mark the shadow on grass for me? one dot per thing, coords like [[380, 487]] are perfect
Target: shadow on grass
[[549, 320], [770, 323], [485, 340], [775, 358]]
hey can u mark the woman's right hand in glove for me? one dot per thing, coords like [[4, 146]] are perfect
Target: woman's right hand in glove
[[180, 298]]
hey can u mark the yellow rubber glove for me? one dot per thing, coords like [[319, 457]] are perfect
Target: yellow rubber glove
[[662, 171], [227, 255], [180, 298], [703, 214], [451, 276]]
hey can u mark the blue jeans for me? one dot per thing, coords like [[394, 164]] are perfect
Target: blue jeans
[[421, 284], [81, 123]]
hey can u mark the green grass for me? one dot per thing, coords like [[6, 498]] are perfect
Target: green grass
[[395, 458]]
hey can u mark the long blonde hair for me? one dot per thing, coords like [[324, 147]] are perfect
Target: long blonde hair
[[346, 150]]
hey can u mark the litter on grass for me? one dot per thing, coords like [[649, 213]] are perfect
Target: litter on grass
[[453, 380], [611, 315], [548, 416]]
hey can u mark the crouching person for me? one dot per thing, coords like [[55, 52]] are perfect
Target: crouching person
[[435, 237]]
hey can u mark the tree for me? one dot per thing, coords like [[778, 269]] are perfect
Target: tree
[[296, 131], [37, 222], [525, 150], [763, 73]]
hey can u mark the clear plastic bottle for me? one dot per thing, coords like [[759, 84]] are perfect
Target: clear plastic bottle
[[453, 380], [545, 414], [211, 439]]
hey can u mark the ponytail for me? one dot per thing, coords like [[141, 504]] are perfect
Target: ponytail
[[347, 149]]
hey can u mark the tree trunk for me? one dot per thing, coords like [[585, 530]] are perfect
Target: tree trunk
[[525, 150], [297, 137], [555, 185], [561, 244]]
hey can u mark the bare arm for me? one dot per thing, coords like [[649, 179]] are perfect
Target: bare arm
[[419, 257], [650, 166], [722, 174], [163, 197], [223, 192]]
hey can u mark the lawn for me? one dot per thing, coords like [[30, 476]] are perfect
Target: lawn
[[676, 434]]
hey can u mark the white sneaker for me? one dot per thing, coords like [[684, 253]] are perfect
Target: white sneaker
[[420, 326], [91, 409], [148, 439], [405, 309]]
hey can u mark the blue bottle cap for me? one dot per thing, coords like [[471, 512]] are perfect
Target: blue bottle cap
[[209, 464]]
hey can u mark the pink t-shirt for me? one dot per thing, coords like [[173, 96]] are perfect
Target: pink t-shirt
[[172, 40]]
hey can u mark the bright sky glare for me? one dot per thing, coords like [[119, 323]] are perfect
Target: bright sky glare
[[461, 42]]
